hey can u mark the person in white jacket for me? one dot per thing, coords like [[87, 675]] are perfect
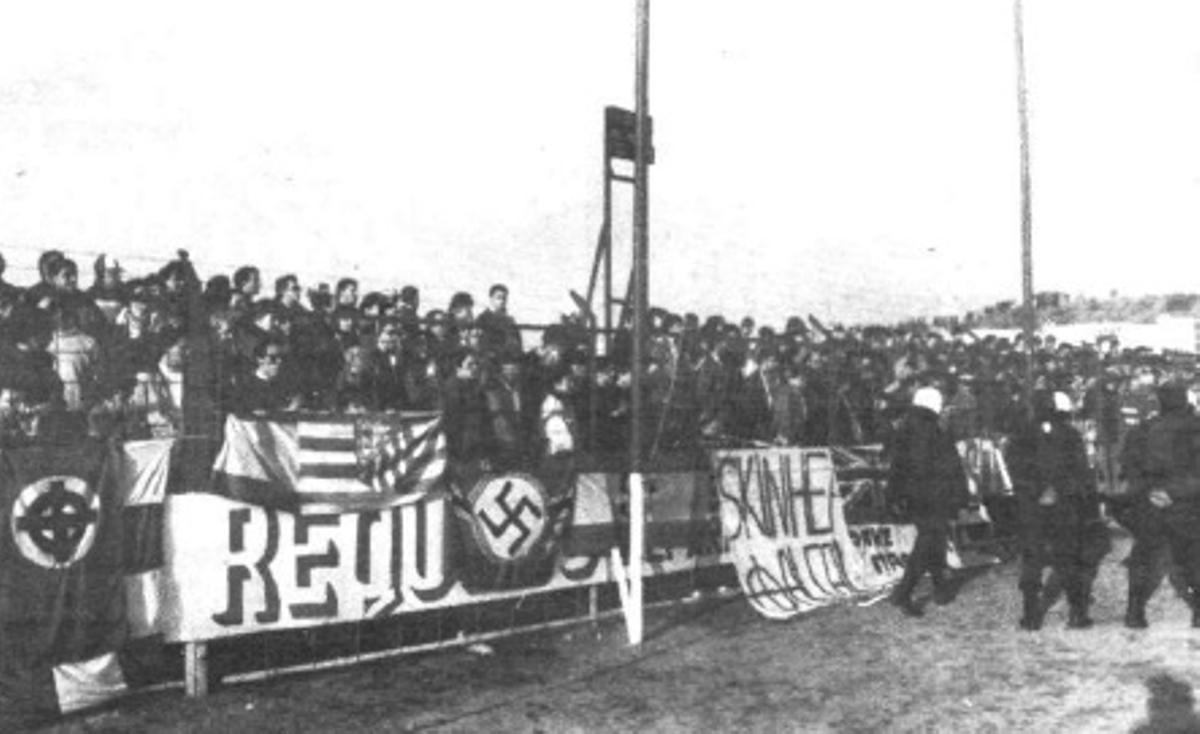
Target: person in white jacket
[[557, 417]]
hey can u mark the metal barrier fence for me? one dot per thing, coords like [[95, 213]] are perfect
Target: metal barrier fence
[[675, 573], [199, 666], [263, 656], [582, 587]]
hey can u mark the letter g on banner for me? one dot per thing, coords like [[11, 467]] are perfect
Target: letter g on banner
[[54, 521]]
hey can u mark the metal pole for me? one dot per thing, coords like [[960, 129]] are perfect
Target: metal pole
[[606, 233], [195, 669], [641, 300], [1030, 307], [640, 226]]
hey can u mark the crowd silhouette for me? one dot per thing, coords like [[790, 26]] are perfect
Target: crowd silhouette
[[110, 360]]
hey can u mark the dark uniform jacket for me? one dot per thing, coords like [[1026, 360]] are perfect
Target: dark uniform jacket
[[1049, 455], [1056, 490], [1164, 453], [927, 478]]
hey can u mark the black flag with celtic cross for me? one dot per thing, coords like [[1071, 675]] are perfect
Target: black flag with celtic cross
[[61, 605]]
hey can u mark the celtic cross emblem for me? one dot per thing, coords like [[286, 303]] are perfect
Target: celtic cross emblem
[[54, 521]]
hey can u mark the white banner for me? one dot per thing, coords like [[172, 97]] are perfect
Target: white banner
[[781, 515], [235, 569], [884, 550]]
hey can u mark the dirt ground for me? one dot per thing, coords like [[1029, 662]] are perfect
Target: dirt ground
[[716, 666]]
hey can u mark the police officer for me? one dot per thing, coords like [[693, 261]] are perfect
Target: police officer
[[1056, 502], [928, 484], [1161, 460]]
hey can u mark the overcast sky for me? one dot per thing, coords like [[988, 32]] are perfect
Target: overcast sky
[[855, 159]]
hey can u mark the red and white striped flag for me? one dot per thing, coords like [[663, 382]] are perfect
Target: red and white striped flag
[[352, 462]]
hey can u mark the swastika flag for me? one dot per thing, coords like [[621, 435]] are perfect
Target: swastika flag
[[509, 528]]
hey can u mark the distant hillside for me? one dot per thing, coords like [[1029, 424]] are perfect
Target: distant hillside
[[1060, 308]]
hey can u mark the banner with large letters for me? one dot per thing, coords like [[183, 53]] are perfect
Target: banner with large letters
[[234, 568], [782, 515], [237, 568]]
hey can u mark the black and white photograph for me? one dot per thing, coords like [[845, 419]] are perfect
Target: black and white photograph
[[600, 366]]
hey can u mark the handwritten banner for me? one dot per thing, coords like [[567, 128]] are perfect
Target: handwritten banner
[[781, 514], [884, 550]]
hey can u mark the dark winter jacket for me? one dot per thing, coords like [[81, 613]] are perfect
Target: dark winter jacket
[[1164, 453], [927, 478], [1049, 454]]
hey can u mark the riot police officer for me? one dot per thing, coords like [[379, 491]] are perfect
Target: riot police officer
[[928, 484], [1161, 460], [1056, 505]]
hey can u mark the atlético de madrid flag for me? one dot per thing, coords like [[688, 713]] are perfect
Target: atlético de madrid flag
[[61, 582], [350, 462]]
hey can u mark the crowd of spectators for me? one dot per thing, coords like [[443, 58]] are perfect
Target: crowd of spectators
[[112, 358]]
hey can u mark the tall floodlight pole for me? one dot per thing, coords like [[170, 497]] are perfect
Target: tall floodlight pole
[[1029, 311], [641, 272]]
